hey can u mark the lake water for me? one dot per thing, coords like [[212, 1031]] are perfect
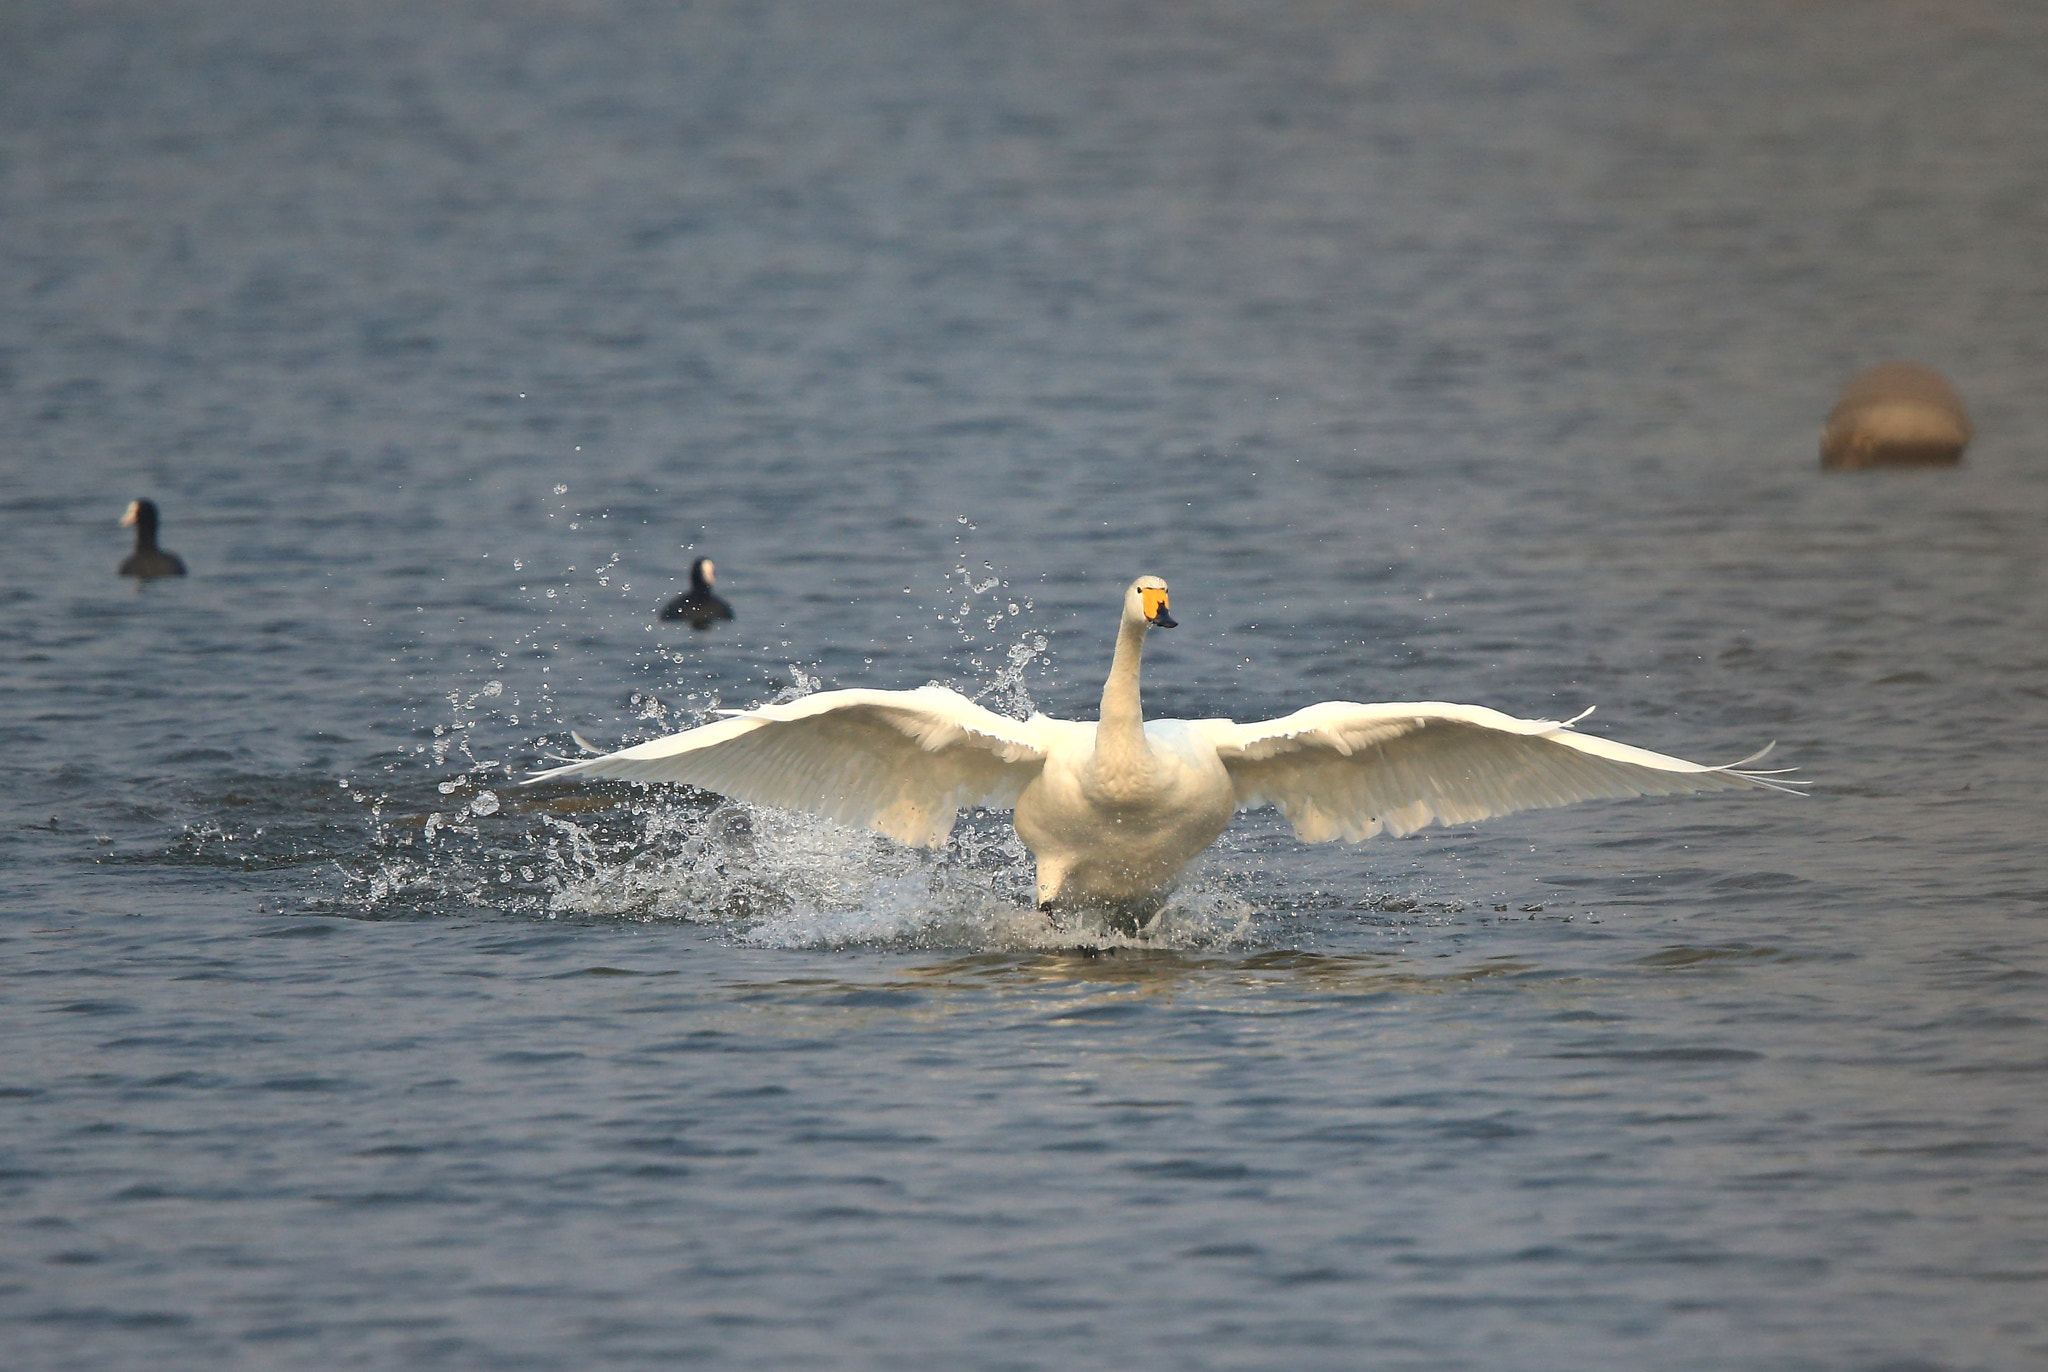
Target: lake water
[[1472, 352]]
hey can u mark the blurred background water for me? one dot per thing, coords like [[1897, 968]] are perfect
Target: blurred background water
[[1471, 352]]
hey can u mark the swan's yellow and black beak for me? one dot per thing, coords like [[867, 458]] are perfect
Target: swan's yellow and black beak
[[1155, 608]]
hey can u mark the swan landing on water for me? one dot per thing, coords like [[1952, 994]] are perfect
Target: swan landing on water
[[1112, 811]]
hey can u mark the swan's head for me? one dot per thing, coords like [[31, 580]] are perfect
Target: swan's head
[[139, 512], [702, 572], [1146, 602]]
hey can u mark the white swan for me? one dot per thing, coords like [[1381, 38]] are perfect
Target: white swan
[[1112, 811]]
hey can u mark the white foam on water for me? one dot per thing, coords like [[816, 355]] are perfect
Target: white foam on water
[[778, 879]]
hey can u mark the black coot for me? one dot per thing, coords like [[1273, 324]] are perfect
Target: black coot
[[700, 604], [147, 560]]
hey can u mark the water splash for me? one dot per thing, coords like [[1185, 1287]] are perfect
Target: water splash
[[471, 840], [778, 879], [996, 661], [767, 877]]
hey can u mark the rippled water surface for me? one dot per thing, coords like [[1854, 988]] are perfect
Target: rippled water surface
[[1471, 352]]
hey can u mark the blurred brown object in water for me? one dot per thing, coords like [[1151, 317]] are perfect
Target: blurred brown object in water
[[1899, 415]]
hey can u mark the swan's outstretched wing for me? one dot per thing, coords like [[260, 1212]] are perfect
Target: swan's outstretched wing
[[1342, 770], [901, 763]]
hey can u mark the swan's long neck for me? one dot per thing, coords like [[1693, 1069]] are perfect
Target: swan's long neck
[[1120, 734]]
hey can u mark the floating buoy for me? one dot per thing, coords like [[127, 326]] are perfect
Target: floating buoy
[[1899, 415]]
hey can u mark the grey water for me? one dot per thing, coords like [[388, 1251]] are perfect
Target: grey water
[[1472, 352]]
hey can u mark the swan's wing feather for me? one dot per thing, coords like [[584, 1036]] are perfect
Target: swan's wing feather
[[1344, 770], [901, 763]]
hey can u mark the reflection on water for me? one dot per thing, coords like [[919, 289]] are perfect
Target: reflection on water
[[1153, 970]]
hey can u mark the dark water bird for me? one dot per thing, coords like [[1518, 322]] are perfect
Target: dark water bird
[[147, 560], [1112, 810], [700, 604], [1899, 415]]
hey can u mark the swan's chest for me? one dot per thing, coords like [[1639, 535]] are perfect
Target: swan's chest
[[1173, 781]]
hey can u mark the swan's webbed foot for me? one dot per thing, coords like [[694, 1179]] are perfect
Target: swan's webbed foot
[[1131, 918]]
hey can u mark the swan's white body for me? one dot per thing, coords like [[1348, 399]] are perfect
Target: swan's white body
[[1113, 811]]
